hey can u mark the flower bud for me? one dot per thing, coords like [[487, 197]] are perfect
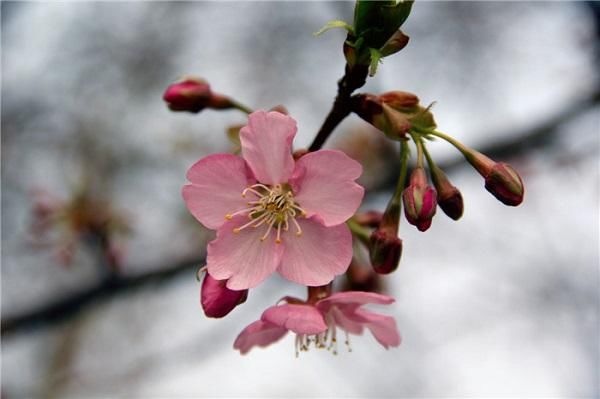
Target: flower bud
[[193, 95], [217, 300], [501, 180], [394, 124], [375, 22], [385, 250], [419, 200], [448, 196], [505, 184]]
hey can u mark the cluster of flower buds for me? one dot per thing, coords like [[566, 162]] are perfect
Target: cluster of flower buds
[[400, 117], [192, 94], [294, 212]]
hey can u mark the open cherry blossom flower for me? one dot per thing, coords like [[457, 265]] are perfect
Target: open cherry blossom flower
[[318, 323], [272, 213]]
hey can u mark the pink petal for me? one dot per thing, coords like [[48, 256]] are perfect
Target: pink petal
[[242, 257], [301, 319], [346, 323], [382, 327], [259, 333], [216, 190], [267, 146], [318, 255], [323, 183], [358, 298]]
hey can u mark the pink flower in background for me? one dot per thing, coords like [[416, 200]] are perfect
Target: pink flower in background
[[273, 213], [318, 323]]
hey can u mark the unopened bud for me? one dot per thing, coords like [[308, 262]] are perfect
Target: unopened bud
[[505, 184], [385, 250], [448, 196], [193, 95], [376, 21], [217, 300], [394, 124], [419, 200], [501, 180]]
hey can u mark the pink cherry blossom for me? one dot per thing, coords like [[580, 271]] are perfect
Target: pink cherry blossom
[[318, 323], [272, 213]]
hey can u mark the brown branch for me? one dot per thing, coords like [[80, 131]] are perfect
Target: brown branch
[[111, 286], [354, 78]]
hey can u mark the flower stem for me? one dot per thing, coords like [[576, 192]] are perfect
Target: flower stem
[[394, 207], [360, 232], [241, 107], [354, 78]]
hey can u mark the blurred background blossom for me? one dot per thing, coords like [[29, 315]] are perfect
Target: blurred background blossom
[[503, 303]]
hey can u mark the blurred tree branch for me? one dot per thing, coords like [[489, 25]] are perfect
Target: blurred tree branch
[[109, 287], [541, 135]]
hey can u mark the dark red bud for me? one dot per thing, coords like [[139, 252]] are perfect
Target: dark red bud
[[420, 200], [385, 250], [217, 300], [505, 184], [448, 196], [451, 202]]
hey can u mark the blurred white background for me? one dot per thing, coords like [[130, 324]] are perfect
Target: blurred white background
[[504, 302]]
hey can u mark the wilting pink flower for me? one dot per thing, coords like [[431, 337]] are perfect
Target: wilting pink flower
[[318, 323], [217, 300], [274, 213]]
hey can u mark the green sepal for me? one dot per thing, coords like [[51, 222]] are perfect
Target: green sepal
[[376, 57], [336, 23]]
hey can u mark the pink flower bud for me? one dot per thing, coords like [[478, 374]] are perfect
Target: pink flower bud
[[385, 250], [217, 300], [501, 180], [505, 184], [193, 95], [419, 200]]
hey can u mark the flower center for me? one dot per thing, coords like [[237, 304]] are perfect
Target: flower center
[[325, 340], [273, 207]]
